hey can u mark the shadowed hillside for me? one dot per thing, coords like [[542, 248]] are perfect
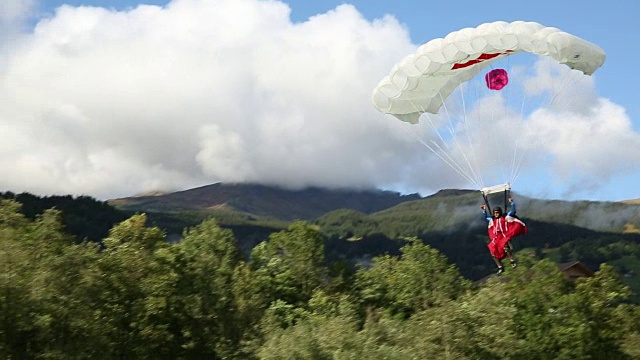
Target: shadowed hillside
[[261, 200]]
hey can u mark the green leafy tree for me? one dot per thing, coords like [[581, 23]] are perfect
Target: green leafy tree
[[631, 321], [287, 269], [419, 279], [328, 329], [17, 271], [290, 265], [212, 324], [554, 318], [43, 287], [65, 323], [598, 325], [120, 293]]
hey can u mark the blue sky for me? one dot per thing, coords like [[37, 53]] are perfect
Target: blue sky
[[84, 134]]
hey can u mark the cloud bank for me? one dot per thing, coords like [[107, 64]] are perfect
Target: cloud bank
[[114, 103]]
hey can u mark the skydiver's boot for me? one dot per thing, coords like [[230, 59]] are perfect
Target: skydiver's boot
[[514, 264], [500, 270]]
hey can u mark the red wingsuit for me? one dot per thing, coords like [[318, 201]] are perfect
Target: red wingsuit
[[501, 231]]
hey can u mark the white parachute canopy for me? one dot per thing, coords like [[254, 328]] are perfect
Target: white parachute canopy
[[422, 82]]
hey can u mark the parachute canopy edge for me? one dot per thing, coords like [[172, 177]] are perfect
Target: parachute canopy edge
[[412, 118]]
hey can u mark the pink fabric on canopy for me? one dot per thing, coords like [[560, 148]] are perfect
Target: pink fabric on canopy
[[497, 79]]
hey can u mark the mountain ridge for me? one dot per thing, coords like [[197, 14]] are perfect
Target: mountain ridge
[[433, 211], [263, 200]]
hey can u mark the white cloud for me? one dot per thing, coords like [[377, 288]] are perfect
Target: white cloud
[[112, 103], [586, 149]]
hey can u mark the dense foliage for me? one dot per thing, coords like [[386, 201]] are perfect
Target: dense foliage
[[83, 216], [136, 295]]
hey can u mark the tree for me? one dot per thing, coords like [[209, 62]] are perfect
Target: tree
[[556, 318], [597, 322], [328, 329], [42, 284], [290, 264], [120, 292], [207, 262], [419, 279], [17, 271]]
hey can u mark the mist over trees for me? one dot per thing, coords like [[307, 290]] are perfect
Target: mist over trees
[[136, 295]]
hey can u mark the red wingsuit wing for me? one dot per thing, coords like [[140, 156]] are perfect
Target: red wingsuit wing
[[501, 231], [515, 227]]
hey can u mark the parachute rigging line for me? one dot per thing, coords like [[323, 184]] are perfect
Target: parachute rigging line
[[445, 154], [452, 162], [457, 143]]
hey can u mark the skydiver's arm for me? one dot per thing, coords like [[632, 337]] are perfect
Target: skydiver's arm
[[512, 205], [484, 212]]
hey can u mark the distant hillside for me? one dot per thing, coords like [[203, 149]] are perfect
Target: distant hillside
[[456, 210], [266, 201], [446, 209]]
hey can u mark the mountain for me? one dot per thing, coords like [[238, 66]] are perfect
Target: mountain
[[443, 211], [265, 201]]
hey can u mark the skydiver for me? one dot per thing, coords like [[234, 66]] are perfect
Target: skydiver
[[502, 228]]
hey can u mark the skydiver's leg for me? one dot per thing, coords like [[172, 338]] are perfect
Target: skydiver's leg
[[512, 258], [496, 253], [499, 263]]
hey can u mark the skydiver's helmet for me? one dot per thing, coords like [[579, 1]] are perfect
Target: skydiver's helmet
[[497, 211]]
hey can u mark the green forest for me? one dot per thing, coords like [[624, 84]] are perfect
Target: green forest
[[135, 295]]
